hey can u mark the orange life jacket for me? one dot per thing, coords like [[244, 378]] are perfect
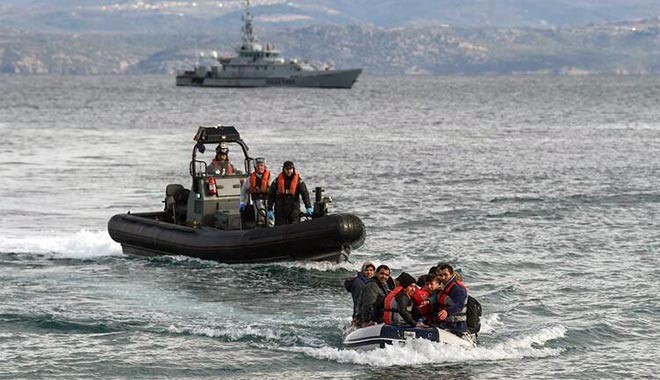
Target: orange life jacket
[[263, 186], [293, 186], [391, 305]]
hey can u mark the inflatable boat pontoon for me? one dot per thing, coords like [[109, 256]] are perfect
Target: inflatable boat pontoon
[[205, 222]]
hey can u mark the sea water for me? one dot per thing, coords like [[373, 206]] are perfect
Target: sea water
[[543, 190]]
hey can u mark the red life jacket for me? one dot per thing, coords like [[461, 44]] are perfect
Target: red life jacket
[[293, 186], [263, 186], [418, 298], [442, 297], [442, 300], [391, 305]]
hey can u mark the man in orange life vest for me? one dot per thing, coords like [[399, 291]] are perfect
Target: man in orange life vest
[[255, 188], [398, 304], [451, 301], [221, 164], [284, 194]]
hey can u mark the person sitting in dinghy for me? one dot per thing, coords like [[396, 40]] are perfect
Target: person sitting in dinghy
[[372, 297], [421, 280], [451, 302], [355, 284], [422, 296], [398, 303]]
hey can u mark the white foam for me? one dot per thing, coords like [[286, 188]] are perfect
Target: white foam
[[232, 332], [420, 351], [81, 245], [322, 266], [257, 333], [490, 323]]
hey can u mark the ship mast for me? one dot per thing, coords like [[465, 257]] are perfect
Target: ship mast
[[248, 35]]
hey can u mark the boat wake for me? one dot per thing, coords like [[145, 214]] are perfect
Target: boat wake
[[321, 266], [83, 244], [420, 351]]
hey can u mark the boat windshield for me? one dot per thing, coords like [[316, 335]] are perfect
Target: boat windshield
[[224, 159]]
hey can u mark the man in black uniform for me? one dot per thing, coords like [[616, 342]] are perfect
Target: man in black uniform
[[284, 195]]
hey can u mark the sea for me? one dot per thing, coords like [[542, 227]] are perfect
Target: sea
[[543, 190]]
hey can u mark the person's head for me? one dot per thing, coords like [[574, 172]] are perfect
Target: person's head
[[222, 151], [288, 168], [260, 165], [432, 284], [368, 269], [407, 282], [445, 272], [459, 274], [432, 271], [383, 273]]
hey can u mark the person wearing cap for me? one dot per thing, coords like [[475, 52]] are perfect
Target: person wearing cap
[[255, 188], [355, 284], [398, 303], [284, 196], [221, 164]]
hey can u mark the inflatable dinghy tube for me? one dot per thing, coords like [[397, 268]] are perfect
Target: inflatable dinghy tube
[[329, 237]]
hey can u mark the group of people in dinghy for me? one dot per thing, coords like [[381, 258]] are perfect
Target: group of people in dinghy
[[437, 299]]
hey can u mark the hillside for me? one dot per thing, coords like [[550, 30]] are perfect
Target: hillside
[[622, 47]]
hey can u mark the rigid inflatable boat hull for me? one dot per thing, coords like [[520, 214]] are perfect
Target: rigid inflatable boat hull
[[330, 237], [378, 336]]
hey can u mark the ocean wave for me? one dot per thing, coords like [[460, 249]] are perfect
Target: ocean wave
[[420, 351], [250, 333], [321, 266], [83, 244], [60, 324]]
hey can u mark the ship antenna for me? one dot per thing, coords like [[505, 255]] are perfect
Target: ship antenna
[[248, 36]]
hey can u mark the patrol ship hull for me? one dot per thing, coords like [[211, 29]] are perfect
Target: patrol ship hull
[[328, 238], [317, 79]]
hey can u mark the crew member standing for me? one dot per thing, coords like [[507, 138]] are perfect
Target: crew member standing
[[255, 188], [284, 195]]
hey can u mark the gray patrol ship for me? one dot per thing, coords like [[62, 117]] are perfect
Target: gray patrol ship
[[259, 66]]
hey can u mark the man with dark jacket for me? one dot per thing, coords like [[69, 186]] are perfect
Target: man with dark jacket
[[284, 195], [372, 297], [451, 301], [355, 284]]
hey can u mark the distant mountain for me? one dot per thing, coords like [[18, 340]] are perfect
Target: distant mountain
[[214, 16], [621, 47]]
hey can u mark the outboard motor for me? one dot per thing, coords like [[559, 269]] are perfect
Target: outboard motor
[[320, 203]]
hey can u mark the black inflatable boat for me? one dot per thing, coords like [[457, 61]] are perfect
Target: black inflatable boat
[[207, 224], [326, 238]]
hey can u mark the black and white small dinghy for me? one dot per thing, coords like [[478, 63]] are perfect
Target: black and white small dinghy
[[377, 336]]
